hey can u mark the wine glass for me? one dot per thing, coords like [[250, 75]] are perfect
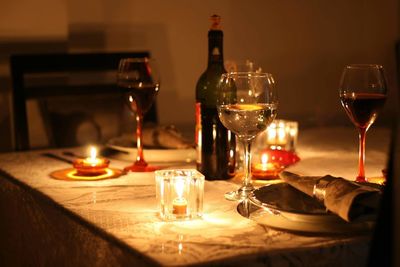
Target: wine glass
[[362, 93], [247, 104], [140, 82]]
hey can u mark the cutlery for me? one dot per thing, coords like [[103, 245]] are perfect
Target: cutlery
[[57, 157]]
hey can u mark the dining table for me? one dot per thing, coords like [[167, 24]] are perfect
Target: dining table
[[115, 222]]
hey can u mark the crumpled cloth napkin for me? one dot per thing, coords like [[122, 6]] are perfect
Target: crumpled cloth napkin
[[347, 199], [155, 137]]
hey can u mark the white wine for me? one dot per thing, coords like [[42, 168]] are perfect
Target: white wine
[[247, 120]]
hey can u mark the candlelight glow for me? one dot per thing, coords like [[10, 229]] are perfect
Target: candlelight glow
[[92, 159], [93, 153], [179, 184], [73, 175], [179, 194], [179, 204], [264, 161], [271, 132], [281, 134], [180, 248], [92, 165]]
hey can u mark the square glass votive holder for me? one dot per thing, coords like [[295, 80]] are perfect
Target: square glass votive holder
[[280, 135], [179, 194]]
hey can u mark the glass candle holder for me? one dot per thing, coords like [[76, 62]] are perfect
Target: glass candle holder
[[179, 194], [280, 135]]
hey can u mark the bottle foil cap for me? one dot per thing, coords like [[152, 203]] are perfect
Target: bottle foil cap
[[215, 22]]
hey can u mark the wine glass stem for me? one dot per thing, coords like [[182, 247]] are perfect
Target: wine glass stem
[[361, 155], [139, 136], [247, 164]]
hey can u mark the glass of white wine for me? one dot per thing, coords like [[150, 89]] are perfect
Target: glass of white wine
[[247, 104]]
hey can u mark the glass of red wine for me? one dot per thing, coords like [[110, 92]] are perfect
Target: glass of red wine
[[139, 80], [363, 93]]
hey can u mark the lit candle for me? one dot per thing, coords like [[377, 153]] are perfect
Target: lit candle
[[281, 140], [267, 168], [91, 165], [271, 134], [264, 165], [179, 194], [278, 135], [92, 160], [179, 204], [272, 162]]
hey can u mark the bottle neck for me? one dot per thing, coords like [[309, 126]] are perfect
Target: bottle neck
[[215, 48]]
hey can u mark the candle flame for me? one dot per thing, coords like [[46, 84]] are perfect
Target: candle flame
[[264, 159], [264, 162], [271, 131], [179, 184], [180, 248], [281, 134], [93, 153], [293, 132], [93, 156]]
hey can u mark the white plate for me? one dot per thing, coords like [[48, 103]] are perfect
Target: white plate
[[279, 221], [156, 155], [284, 199], [283, 207], [271, 218]]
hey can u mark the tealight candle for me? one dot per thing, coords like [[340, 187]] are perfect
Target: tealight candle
[[179, 204], [272, 163], [91, 166], [265, 169], [264, 165]]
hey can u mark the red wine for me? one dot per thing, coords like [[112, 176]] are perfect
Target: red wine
[[363, 108], [140, 97]]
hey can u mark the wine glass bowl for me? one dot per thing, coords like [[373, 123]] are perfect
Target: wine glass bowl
[[246, 105], [362, 93], [140, 82]]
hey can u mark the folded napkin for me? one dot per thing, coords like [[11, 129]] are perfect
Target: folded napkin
[[155, 137], [347, 199]]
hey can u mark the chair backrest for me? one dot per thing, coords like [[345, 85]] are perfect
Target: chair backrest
[[24, 65], [398, 65]]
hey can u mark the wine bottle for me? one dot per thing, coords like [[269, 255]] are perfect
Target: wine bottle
[[215, 144]]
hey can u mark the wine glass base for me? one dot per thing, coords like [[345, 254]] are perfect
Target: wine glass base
[[361, 179], [141, 168], [240, 194]]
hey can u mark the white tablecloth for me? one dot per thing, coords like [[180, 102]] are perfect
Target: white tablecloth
[[114, 222]]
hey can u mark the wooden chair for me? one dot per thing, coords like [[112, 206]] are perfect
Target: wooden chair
[[43, 66], [398, 64]]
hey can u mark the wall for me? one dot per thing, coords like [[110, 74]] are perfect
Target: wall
[[305, 44], [25, 27]]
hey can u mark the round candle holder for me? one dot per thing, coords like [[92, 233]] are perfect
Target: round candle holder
[[86, 167]]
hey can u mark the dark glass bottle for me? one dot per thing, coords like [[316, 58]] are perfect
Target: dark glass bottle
[[215, 144]]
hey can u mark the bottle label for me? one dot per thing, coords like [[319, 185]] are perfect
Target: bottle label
[[198, 134]]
